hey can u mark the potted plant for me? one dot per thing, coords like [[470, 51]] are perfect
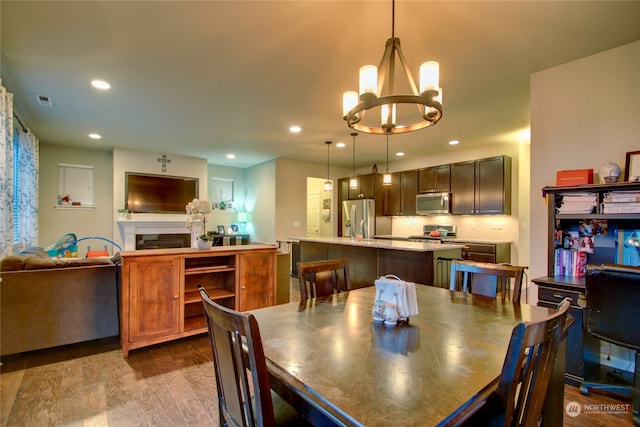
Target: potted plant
[[198, 210], [123, 213]]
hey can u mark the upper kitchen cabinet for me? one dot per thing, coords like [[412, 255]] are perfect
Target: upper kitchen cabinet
[[435, 179], [400, 196], [481, 187], [366, 187]]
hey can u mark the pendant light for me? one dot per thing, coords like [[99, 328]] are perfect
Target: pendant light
[[353, 181], [328, 186], [377, 92], [386, 178]]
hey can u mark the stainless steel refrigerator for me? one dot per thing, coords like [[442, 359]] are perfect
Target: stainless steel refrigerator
[[359, 217]]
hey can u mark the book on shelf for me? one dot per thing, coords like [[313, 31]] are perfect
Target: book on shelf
[[577, 203], [622, 207], [570, 263], [621, 196]]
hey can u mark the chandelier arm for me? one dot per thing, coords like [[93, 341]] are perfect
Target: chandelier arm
[[406, 68], [384, 65]]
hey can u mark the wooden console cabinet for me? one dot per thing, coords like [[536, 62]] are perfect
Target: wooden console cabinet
[[160, 299]]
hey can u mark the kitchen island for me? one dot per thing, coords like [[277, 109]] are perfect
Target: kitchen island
[[369, 259]]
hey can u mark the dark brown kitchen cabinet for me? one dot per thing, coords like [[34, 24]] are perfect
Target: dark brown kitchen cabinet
[[481, 187], [435, 179], [366, 188], [400, 196]]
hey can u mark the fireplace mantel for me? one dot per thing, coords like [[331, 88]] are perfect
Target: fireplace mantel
[[129, 228]]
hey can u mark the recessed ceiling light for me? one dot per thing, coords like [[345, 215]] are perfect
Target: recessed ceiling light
[[231, 156], [95, 136], [100, 84], [295, 129], [454, 142], [340, 144], [400, 154]]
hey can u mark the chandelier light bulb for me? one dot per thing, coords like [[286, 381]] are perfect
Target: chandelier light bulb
[[385, 120], [349, 100], [369, 80], [429, 76]]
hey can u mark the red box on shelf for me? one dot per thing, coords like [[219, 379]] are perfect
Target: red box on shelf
[[574, 177]]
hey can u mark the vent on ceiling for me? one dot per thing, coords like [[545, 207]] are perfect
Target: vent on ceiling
[[44, 100]]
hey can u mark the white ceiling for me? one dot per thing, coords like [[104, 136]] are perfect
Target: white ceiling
[[208, 78]]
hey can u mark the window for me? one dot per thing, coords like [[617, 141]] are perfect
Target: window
[[76, 181]]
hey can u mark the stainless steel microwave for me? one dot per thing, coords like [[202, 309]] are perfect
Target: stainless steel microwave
[[433, 203]]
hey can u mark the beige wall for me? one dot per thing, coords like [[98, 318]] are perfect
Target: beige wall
[[83, 222], [291, 190], [125, 160], [583, 114]]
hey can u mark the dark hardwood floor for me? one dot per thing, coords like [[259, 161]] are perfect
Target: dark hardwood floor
[[172, 384]]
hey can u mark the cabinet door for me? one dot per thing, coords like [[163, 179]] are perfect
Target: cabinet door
[[392, 202], [435, 179], [493, 186], [154, 298], [443, 178], [409, 189], [366, 187], [256, 285], [463, 188]]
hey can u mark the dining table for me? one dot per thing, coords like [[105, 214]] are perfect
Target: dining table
[[331, 361]]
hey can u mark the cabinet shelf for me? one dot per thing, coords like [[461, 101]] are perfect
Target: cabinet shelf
[[208, 269], [191, 297], [195, 323]]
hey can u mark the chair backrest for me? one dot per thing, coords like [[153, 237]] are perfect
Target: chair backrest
[[322, 278], [613, 301], [487, 277], [240, 372], [526, 372]]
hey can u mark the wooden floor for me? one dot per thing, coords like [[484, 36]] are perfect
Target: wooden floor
[[172, 384]]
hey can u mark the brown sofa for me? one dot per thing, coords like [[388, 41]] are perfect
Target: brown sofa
[[48, 302]]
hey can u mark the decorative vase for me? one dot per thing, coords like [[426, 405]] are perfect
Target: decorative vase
[[204, 244], [609, 172]]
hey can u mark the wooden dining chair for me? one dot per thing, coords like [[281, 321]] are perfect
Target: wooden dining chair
[[526, 372], [487, 278], [322, 278], [245, 397]]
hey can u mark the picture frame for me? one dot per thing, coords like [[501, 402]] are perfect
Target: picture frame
[[632, 166], [221, 229]]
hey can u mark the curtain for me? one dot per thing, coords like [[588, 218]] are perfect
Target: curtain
[[25, 144], [27, 208], [6, 170]]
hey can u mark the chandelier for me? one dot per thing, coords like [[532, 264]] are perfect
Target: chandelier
[[377, 94]]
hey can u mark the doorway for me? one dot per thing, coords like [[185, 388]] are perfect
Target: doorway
[[320, 213]]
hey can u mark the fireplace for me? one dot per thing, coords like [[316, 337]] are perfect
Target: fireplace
[[156, 234], [163, 241]]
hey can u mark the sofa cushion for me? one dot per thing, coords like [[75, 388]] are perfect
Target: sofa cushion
[[12, 263]]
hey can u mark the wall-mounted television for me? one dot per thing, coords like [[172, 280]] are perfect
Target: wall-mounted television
[[146, 193]]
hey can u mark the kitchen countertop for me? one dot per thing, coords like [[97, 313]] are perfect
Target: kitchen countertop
[[447, 239], [404, 245]]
